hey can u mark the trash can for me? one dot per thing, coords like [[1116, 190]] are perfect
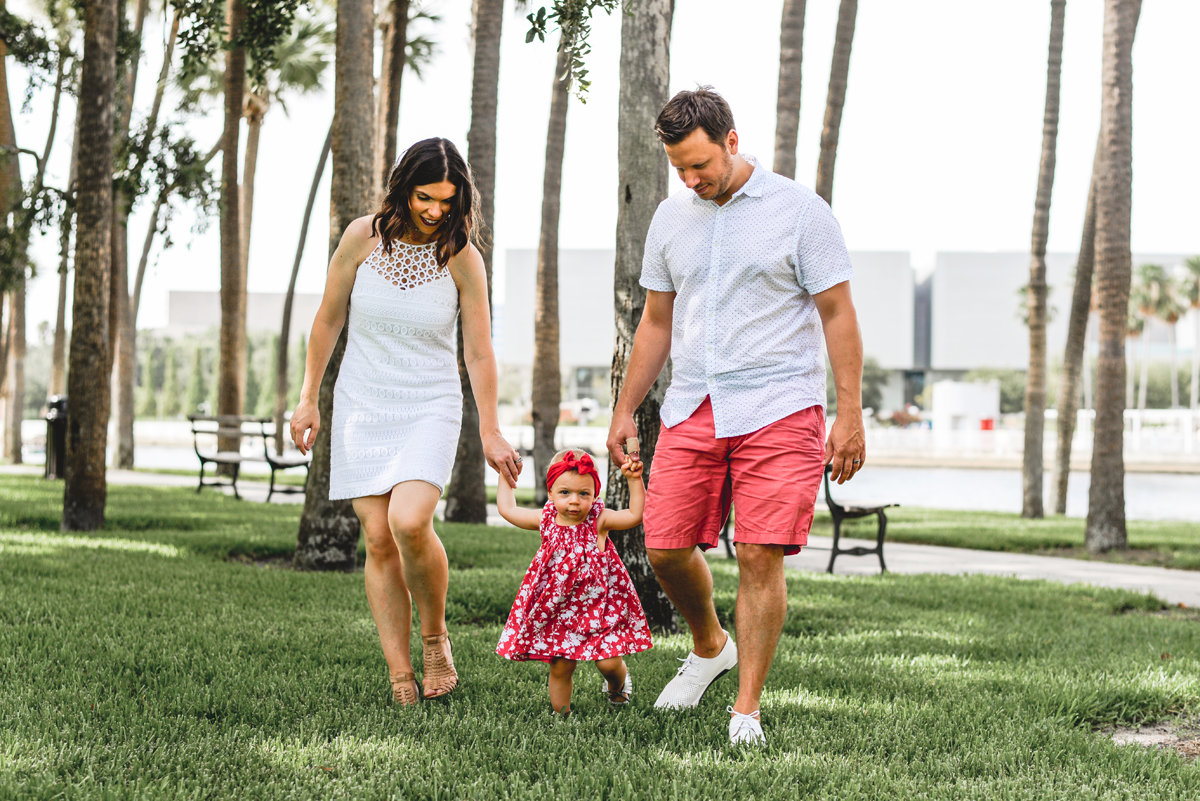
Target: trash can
[[56, 437]]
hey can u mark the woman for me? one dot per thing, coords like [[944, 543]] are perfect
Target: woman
[[397, 408]]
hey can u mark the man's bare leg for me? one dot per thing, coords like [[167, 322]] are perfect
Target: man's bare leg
[[761, 608], [685, 578]]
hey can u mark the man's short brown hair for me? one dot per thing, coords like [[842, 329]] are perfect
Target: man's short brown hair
[[688, 110]]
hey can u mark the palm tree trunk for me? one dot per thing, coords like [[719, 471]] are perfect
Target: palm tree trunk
[[787, 102], [328, 536], [466, 496], [1106, 501], [547, 378], [1194, 397], [58, 370], [395, 40], [256, 104], [1035, 384], [642, 172], [229, 399], [281, 354], [85, 488], [1073, 358], [844, 38], [1174, 364]]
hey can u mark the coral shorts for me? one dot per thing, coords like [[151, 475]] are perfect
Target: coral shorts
[[770, 476]]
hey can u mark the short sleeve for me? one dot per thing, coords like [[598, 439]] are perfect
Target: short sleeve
[[655, 275], [822, 260]]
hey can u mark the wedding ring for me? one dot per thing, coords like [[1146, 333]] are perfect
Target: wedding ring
[[519, 459], [856, 461]]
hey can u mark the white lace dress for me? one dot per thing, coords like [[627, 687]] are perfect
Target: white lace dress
[[397, 403]]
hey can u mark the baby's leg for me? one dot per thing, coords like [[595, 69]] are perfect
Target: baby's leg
[[561, 671], [613, 670]]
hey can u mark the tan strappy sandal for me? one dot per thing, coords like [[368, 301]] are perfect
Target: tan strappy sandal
[[406, 690], [440, 676]]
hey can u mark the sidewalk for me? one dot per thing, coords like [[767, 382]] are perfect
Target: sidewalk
[[1173, 586]]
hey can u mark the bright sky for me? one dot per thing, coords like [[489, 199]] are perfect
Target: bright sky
[[939, 147]]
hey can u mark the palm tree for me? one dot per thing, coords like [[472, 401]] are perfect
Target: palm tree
[[1035, 385], [787, 103], [1135, 326], [1191, 294], [58, 369], [400, 50], [1083, 303], [547, 380], [281, 348], [642, 174], [843, 39], [466, 496], [85, 488], [1156, 295], [1106, 495], [328, 535], [229, 382]]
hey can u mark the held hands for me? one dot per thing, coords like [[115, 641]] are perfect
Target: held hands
[[632, 468], [502, 457], [622, 429], [846, 447], [306, 422]]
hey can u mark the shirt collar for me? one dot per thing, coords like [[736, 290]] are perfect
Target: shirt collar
[[752, 188]]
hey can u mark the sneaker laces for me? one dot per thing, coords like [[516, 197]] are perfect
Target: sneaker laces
[[690, 666], [742, 722]]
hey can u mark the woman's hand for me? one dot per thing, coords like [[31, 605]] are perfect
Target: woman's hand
[[502, 457], [306, 422]]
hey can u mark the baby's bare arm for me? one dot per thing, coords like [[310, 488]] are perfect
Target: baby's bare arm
[[627, 518], [506, 503]]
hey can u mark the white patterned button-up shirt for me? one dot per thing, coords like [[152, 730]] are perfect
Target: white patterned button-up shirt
[[745, 331]]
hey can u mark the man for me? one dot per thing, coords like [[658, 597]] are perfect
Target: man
[[742, 274]]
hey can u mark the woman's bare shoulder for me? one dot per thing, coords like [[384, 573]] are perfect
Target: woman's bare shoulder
[[358, 240], [467, 258]]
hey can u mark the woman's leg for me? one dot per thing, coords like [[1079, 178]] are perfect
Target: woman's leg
[[387, 593], [614, 672], [561, 671], [422, 557]]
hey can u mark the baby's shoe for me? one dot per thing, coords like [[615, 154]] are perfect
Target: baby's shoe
[[621, 697]]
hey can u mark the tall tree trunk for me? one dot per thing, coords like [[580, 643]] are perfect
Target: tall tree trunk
[[547, 377], [787, 102], [844, 38], [328, 536], [1106, 497], [58, 370], [229, 399], [85, 489], [281, 353], [642, 173], [1035, 384], [466, 497], [387, 117], [256, 105], [1077, 326]]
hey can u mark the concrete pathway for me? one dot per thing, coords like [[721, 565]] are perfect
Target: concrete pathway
[[1173, 586]]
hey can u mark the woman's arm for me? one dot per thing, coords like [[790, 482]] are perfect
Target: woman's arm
[[327, 326], [627, 518], [506, 502], [468, 272]]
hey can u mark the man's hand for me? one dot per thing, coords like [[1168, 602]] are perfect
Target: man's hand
[[621, 429], [846, 448]]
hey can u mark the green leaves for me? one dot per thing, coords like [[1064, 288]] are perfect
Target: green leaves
[[574, 21]]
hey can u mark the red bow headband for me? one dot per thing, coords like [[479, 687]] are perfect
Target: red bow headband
[[584, 466]]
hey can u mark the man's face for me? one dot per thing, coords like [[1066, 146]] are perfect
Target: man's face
[[704, 166]]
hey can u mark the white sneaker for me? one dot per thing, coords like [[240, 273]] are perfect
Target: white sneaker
[[745, 729], [695, 676]]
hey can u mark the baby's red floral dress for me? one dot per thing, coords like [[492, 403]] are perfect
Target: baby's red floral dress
[[575, 601]]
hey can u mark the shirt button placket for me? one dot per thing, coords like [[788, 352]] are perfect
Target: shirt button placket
[[710, 302]]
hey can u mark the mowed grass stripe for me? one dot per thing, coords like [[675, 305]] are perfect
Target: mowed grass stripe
[[127, 674]]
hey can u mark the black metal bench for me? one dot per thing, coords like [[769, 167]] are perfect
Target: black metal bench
[[240, 427], [839, 513]]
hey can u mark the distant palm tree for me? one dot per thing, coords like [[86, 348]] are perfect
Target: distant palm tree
[[1135, 326], [1156, 295], [466, 495], [1035, 384], [1191, 294], [843, 39], [1106, 495], [400, 50], [547, 378], [787, 100], [85, 487], [328, 534]]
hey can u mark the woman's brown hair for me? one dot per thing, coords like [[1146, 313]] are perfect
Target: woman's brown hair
[[430, 161]]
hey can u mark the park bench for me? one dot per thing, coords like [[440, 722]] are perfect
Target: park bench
[[839, 513], [241, 427]]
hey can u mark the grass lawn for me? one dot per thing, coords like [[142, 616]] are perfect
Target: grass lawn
[[144, 662], [1164, 543]]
